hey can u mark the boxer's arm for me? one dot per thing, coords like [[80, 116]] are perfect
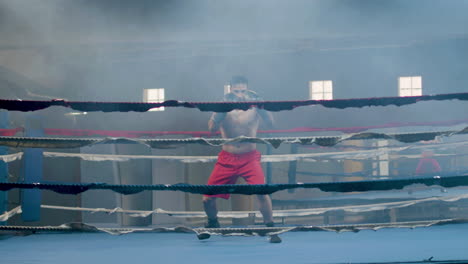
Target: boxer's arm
[[217, 118], [215, 121], [267, 118], [264, 114]]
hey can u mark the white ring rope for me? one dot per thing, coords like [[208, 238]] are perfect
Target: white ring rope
[[276, 213], [7, 215], [244, 214], [337, 155], [11, 157]]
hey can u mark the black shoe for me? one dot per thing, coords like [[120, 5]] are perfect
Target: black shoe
[[275, 239], [212, 223], [203, 236]]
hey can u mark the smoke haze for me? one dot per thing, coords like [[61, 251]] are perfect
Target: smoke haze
[[110, 50]]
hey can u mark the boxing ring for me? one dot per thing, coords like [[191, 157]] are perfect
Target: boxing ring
[[396, 245], [405, 238]]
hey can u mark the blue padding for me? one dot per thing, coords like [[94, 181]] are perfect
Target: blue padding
[[32, 172], [392, 245]]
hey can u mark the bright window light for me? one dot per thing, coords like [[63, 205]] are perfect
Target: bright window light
[[155, 95], [321, 90], [410, 86], [227, 88]]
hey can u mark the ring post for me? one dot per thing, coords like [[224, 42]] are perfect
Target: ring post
[[292, 168], [32, 172], [3, 167]]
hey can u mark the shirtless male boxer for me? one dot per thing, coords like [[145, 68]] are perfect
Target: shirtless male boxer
[[238, 159]]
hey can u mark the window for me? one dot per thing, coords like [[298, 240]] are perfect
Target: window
[[321, 90], [154, 96], [410, 86], [227, 89], [381, 164]]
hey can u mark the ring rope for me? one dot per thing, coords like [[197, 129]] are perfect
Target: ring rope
[[336, 155], [357, 155], [276, 213], [38, 142], [139, 134], [243, 214], [10, 132], [246, 231], [11, 157], [307, 157], [351, 186], [7, 215], [29, 105], [460, 170]]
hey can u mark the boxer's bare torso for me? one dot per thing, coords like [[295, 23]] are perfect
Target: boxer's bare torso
[[240, 123]]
